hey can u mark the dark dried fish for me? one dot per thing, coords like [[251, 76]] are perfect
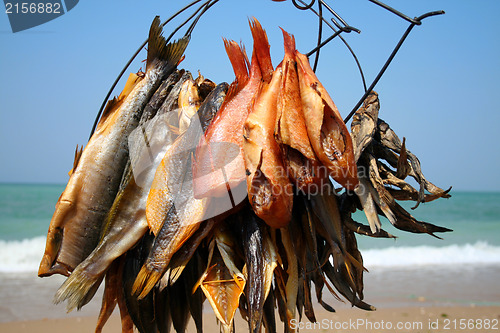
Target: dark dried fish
[[364, 124]]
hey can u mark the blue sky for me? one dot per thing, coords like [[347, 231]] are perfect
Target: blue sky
[[440, 91]]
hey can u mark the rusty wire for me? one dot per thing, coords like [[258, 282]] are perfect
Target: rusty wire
[[335, 22]]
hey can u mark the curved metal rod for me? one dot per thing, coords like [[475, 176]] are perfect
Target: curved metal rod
[[389, 60], [205, 9], [303, 6], [346, 28], [358, 64], [99, 113], [334, 13], [396, 12], [201, 9], [320, 34]]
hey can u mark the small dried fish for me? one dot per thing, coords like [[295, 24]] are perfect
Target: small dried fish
[[364, 124], [327, 132], [113, 295], [219, 166], [291, 131], [126, 222], [142, 310], [389, 139], [173, 180], [80, 212], [260, 261], [269, 189]]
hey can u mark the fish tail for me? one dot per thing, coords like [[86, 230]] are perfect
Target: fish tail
[[238, 58], [289, 43], [158, 49], [261, 48], [145, 281], [76, 290]]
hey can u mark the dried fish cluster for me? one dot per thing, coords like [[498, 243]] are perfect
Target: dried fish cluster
[[191, 191], [383, 164]]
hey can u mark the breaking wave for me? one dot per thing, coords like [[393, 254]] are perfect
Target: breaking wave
[[24, 255], [480, 253], [21, 255]]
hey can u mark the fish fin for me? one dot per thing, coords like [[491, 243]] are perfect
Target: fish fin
[[145, 281], [159, 49], [368, 204], [109, 301], [233, 90], [110, 106], [114, 104], [78, 154], [403, 167], [239, 61], [289, 43], [245, 55], [77, 289], [261, 47]]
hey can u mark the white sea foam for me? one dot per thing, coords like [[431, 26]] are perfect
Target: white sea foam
[[21, 256], [25, 255], [480, 253]]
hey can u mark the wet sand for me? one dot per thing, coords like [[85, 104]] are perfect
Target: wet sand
[[432, 299], [405, 319]]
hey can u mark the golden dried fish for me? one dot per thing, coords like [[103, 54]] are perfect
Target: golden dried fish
[[219, 165], [176, 162], [269, 190], [291, 132], [76, 224], [182, 257], [173, 188], [327, 132], [189, 102], [182, 220], [126, 222]]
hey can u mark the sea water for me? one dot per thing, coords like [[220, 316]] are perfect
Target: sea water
[[461, 268], [26, 210]]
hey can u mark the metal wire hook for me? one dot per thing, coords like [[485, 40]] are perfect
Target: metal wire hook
[[304, 6], [338, 25], [415, 22], [110, 91]]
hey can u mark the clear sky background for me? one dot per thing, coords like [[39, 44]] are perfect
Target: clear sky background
[[440, 92]]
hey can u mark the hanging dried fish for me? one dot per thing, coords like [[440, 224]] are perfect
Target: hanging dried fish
[[126, 221], [81, 210]]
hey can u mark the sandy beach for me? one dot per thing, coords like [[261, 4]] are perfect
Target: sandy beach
[[425, 299], [405, 319]]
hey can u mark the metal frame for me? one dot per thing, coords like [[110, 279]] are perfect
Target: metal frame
[[334, 22]]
